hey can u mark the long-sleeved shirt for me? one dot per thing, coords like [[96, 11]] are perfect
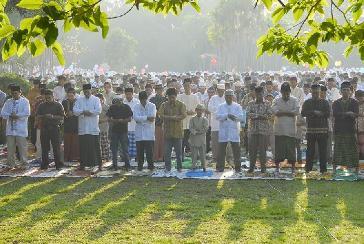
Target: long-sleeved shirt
[[144, 129], [344, 124], [88, 125], [229, 130], [19, 126], [2, 98], [132, 103], [198, 127], [157, 100], [214, 103], [190, 102], [298, 93], [259, 126], [285, 125], [59, 93], [109, 97], [333, 94], [316, 124]]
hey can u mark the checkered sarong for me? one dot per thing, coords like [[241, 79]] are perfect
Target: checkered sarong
[[132, 144], [105, 146], [346, 150]]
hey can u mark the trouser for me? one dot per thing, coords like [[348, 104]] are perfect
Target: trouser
[[258, 144], [222, 154], [122, 140], [215, 145], [361, 145], [14, 142], [2, 131], [198, 152], [298, 149], [32, 130], [38, 146], [208, 140], [50, 136], [330, 140], [159, 143], [272, 143], [146, 147], [170, 143], [321, 140], [185, 143]]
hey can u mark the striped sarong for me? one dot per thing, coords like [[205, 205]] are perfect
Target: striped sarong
[[132, 144], [346, 150]]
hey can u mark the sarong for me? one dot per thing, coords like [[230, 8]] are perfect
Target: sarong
[[71, 147], [159, 144], [105, 146], [132, 144], [346, 150], [285, 148], [90, 154]]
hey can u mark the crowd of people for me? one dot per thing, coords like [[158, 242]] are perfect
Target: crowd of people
[[153, 116]]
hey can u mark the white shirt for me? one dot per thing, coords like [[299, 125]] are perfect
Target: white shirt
[[214, 103], [132, 104], [21, 107], [308, 96], [190, 102], [285, 125], [333, 94], [59, 93], [229, 130], [88, 125], [299, 94], [144, 129]]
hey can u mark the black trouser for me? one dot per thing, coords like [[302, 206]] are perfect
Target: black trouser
[[222, 155], [208, 140], [298, 150], [50, 134], [321, 140], [148, 148], [185, 143], [32, 130]]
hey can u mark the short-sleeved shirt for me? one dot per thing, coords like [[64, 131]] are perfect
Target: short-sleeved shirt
[[122, 111], [173, 128], [53, 108]]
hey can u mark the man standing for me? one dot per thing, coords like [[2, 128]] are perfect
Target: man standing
[[157, 100], [333, 93], [345, 112], [317, 112], [2, 123], [131, 102], [172, 112], [51, 114], [120, 115], [229, 115], [259, 113], [88, 109], [190, 100], [144, 116], [59, 92], [16, 111], [32, 98], [108, 92], [285, 108], [213, 104]]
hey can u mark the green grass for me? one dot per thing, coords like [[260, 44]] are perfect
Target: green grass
[[137, 209]]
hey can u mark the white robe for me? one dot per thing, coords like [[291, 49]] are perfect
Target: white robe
[[88, 125]]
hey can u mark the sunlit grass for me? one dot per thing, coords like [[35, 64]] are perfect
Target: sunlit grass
[[110, 210]]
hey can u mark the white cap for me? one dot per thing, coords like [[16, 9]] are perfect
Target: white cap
[[221, 86]]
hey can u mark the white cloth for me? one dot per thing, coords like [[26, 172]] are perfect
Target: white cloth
[[285, 125], [298, 93], [308, 96], [59, 93], [333, 94], [229, 130], [21, 107], [202, 96], [214, 103], [88, 125], [144, 129], [190, 102], [133, 102], [109, 97]]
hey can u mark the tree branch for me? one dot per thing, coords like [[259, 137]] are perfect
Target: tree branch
[[283, 5], [337, 7], [308, 15], [123, 14]]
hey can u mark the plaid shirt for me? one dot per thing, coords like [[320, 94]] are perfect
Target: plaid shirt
[[259, 126]]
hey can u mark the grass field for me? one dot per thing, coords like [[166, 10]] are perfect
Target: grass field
[[137, 209]]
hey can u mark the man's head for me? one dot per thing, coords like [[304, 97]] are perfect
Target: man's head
[[269, 97], [331, 83], [285, 91], [159, 89], [199, 110], [36, 82], [15, 92], [323, 92], [149, 89], [293, 82], [269, 86], [129, 93], [107, 86], [346, 89], [71, 93], [259, 93], [229, 96], [187, 85], [143, 97], [87, 90], [61, 79], [315, 91], [359, 95], [211, 91], [171, 94], [306, 88], [220, 90], [48, 94]]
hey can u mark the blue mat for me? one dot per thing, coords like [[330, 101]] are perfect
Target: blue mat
[[199, 173]]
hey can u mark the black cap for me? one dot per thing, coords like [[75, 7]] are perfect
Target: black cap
[[86, 87], [15, 88], [285, 87]]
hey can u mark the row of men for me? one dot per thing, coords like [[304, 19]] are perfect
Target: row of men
[[91, 121]]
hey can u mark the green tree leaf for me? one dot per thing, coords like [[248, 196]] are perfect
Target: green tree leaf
[[297, 13], [196, 6], [57, 50], [30, 4], [277, 15], [37, 47], [347, 51], [6, 30], [51, 35], [267, 3]]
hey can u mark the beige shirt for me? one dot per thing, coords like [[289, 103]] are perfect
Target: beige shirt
[[285, 125], [190, 102], [198, 127]]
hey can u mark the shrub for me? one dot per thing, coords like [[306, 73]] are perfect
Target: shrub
[[9, 78]]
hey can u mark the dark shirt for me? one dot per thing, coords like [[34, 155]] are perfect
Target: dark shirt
[[122, 111], [344, 124], [70, 123], [54, 108], [157, 101], [316, 124]]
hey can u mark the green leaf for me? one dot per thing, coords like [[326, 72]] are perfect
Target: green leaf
[[196, 6], [51, 35], [277, 15], [9, 49], [30, 4], [37, 47], [297, 13], [357, 14], [57, 50], [26, 23], [6, 30], [347, 51], [267, 3], [104, 24], [67, 25], [313, 39]]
